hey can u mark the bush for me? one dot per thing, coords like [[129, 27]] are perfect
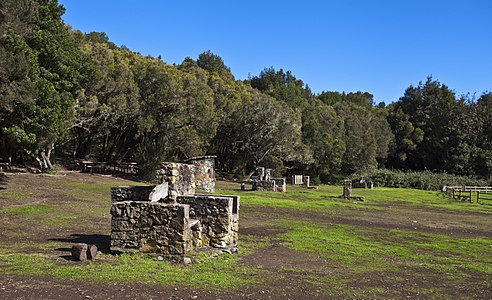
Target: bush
[[424, 180]]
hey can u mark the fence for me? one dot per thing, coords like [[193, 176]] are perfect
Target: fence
[[466, 192]]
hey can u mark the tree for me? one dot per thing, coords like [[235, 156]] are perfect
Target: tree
[[483, 163], [434, 130], [39, 92], [213, 63], [107, 110], [176, 116], [261, 128], [283, 86], [367, 136], [322, 131]]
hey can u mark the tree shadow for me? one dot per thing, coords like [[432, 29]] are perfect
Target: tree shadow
[[101, 241]]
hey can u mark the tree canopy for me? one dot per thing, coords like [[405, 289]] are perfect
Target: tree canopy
[[87, 98]]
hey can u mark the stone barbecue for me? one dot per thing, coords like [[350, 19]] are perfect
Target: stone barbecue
[[170, 219], [263, 181]]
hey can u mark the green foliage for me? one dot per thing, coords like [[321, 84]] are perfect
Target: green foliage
[[261, 128], [283, 86], [367, 137], [434, 130], [424, 180], [80, 93]]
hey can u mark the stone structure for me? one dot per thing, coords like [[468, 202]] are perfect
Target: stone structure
[[306, 181], [297, 179], [347, 192], [263, 181], [347, 189], [180, 177], [362, 184], [176, 224], [302, 180], [204, 172]]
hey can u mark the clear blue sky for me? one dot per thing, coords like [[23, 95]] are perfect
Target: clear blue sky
[[379, 46]]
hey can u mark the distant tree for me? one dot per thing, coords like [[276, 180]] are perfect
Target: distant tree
[[213, 63], [322, 131], [483, 163], [367, 137], [258, 130], [433, 129], [99, 37], [106, 111], [360, 98], [283, 86], [176, 118]]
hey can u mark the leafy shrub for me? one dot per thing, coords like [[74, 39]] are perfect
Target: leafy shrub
[[424, 180]]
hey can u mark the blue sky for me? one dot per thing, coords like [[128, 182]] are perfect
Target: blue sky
[[378, 46]]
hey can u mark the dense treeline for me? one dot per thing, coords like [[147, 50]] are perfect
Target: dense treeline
[[86, 98]]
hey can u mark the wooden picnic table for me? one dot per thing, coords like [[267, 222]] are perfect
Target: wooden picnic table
[[105, 167]]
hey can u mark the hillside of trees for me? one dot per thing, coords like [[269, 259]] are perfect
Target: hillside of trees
[[64, 93]]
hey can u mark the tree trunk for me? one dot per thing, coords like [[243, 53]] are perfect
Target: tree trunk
[[46, 156]]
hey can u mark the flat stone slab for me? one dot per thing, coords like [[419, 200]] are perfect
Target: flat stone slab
[[159, 192]]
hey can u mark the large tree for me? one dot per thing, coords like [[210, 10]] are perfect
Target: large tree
[[434, 129], [259, 129], [39, 91]]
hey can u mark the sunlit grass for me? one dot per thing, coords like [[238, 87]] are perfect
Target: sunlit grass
[[222, 272], [383, 249], [35, 209]]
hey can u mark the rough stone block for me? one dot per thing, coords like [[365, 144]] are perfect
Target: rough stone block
[[79, 252]]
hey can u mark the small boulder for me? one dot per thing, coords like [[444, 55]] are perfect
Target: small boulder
[[79, 252]]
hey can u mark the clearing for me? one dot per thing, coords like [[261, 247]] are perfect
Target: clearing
[[303, 244]]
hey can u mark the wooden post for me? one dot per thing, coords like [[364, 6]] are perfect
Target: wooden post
[[478, 196], [471, 194]]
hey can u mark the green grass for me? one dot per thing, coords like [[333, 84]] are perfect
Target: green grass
[[327, 199], [93, 190], [35, 209], [324, 199], [19, 196], [222, 272], [353, 253], [384, 249]]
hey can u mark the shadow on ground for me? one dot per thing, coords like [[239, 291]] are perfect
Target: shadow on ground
[[101, 241]]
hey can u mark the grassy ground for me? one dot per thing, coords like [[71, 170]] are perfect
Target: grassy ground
[[310, 243]]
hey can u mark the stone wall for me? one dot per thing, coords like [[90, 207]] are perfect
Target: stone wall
[[297, 179], [179, 176], [195, 221], [150, 227], [204, 172], [218, 216]]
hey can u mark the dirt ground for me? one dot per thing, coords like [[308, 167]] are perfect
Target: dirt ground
[[292, 268]]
